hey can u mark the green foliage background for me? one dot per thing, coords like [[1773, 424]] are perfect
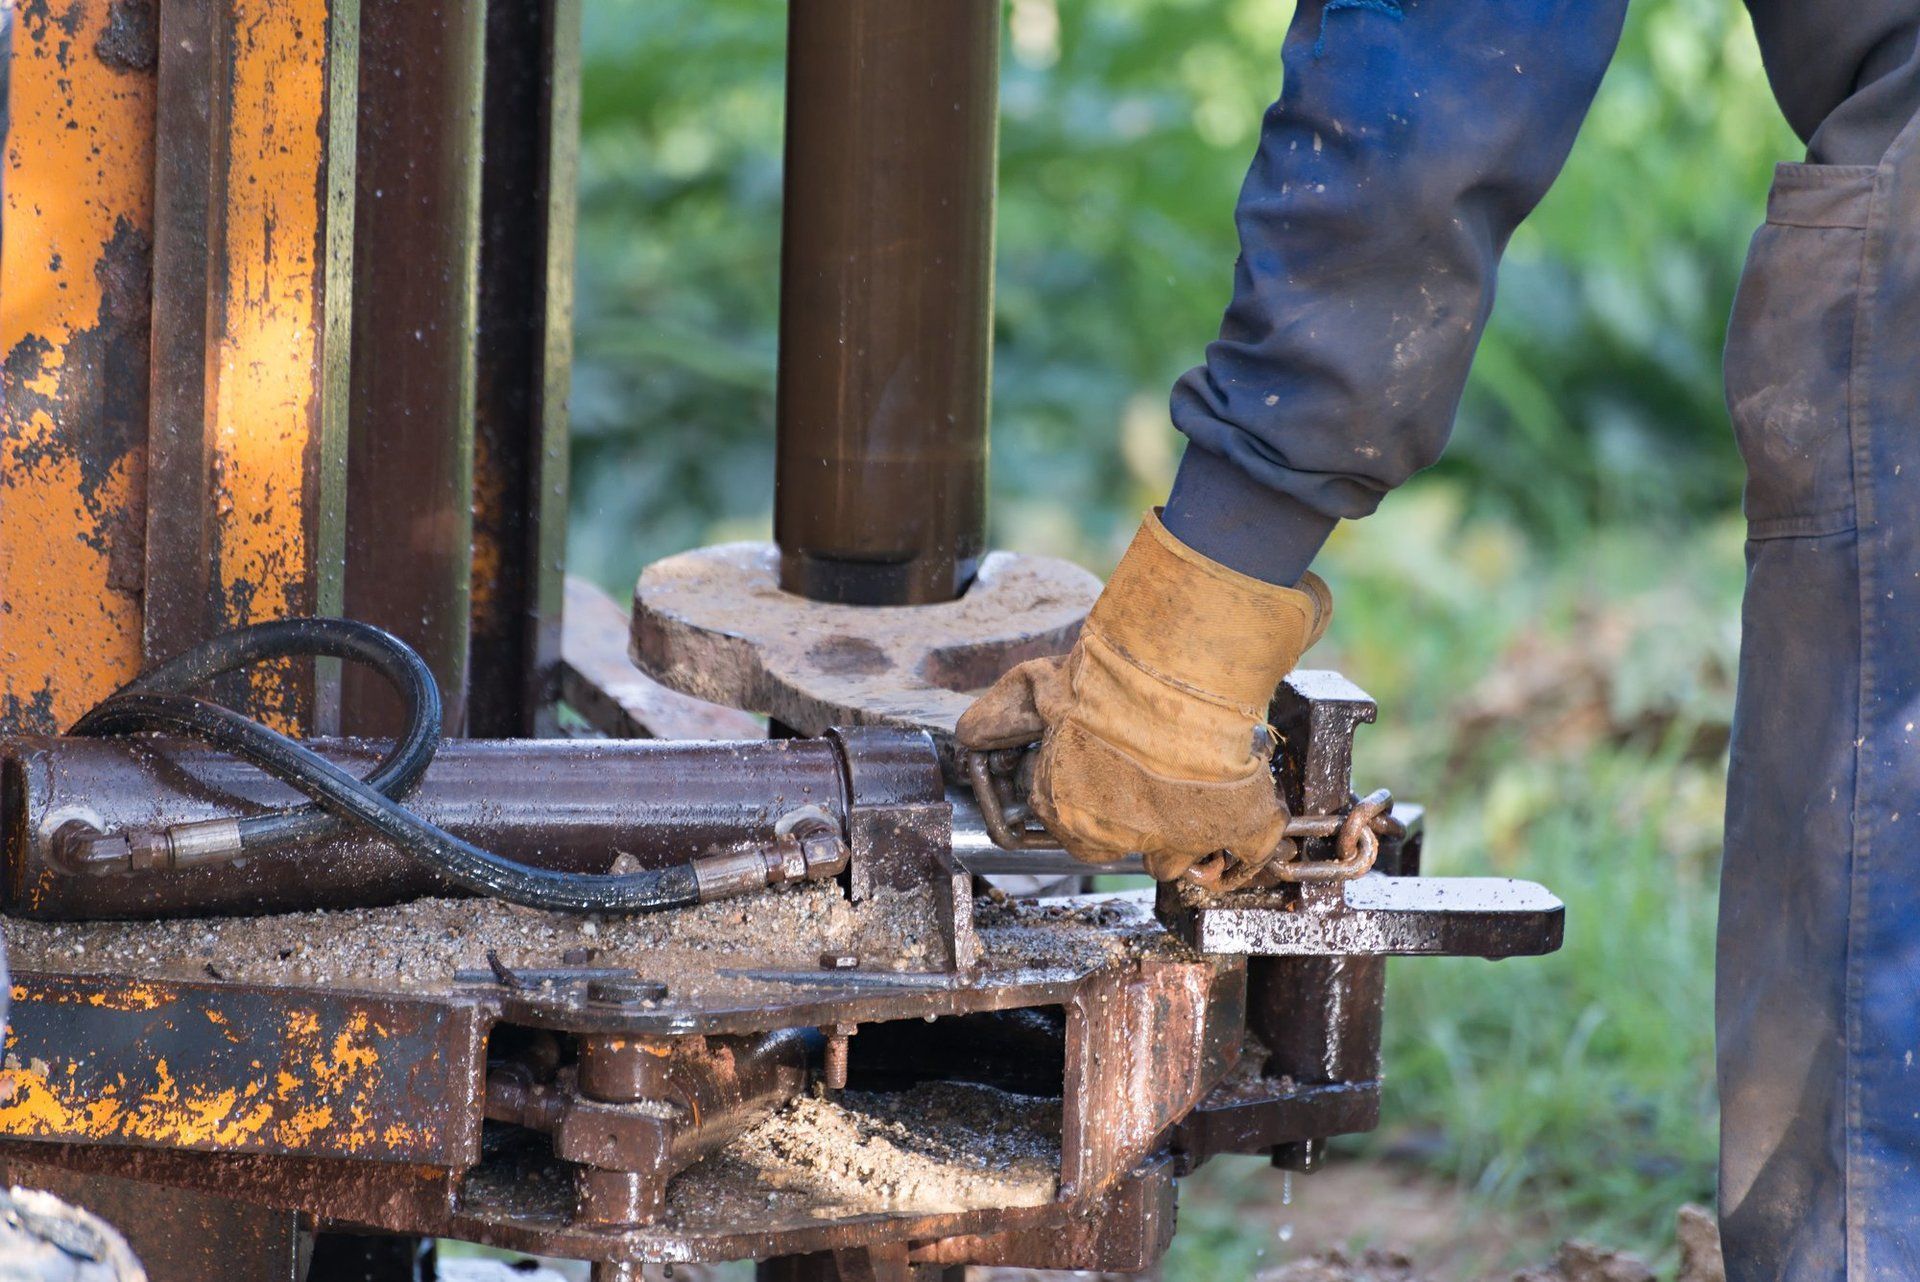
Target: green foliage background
[[1548, 617]]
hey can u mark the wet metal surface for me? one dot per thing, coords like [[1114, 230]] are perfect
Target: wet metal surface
[[1254, 1121], [415, 280], [886, 288], [76, 236], [523, 362], [1375, 916]]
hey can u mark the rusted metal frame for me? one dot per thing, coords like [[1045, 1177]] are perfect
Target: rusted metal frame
[[400, 1196], [246, 488], [1243, 1121], [393, 1196], [427, 1200], [600, 682], [527, 212], [409, 542], [900, 826], [644, 1110], [886, 298], [1145, 1043], [235, 1068], [487, 1213], [76, 236], [1127, 1231], [1319, 1017]]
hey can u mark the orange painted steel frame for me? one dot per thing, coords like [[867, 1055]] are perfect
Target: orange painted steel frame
[[160, 482], [201, 206], [76, 236], [252, 257], [178, 313]]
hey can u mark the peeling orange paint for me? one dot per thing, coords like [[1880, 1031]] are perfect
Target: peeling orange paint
[[269, 379], [132, 995], [76, 225], [319, 1096]]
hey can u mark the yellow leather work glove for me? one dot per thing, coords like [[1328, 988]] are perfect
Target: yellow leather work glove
[[1152, 730]]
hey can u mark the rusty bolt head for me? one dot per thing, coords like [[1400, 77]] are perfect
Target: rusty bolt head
[[824, 854], [792, 860]]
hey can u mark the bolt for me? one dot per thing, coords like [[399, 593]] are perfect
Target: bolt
[[834, 1073]]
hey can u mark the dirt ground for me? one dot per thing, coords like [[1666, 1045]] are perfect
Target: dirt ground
[[1355, 1222]]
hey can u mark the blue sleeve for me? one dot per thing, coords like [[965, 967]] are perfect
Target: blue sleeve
[[1409, 141], [1846, 72]]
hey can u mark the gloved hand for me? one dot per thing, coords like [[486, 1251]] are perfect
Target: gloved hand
[[1153, 728]]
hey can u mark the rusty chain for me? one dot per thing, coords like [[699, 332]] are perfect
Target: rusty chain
[[1009, 820]]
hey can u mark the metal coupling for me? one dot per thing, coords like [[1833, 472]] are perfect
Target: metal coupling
[[807, 846], [87, 851]]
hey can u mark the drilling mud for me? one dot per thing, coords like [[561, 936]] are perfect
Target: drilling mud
[[941, 1146], [432, 944]]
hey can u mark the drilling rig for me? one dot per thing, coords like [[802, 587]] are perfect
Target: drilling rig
[[500, 911]]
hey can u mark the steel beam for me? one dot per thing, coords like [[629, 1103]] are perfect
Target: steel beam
[[76, 237], [409, 544], [246, 475], [524, 363]]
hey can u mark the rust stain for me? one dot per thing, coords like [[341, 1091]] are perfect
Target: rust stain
[[76, 218]]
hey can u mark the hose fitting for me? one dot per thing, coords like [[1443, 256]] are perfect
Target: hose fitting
[[807, 846]]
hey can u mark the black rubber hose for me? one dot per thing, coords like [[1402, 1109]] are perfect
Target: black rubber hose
[[397, 773], [459, 861]]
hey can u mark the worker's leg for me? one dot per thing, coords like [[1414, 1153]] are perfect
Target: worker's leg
[[1819, 995]]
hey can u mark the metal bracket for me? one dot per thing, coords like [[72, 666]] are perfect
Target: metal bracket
[[1374, 916]]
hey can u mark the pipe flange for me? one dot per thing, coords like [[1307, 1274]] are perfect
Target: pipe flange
[[714, 623]]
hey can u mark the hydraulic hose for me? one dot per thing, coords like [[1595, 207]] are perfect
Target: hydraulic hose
[[156, 701], [461, 862], [398, 772], [806, 844]]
